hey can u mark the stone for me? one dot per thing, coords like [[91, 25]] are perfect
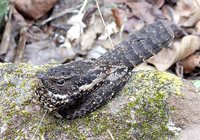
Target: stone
[[153, 104]]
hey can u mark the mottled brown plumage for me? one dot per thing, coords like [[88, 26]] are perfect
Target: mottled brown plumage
[[77, 88]]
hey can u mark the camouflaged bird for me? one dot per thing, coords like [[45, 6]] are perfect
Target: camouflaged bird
[[77, 88]]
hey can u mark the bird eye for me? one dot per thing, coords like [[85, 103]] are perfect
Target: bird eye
[[60, 82]]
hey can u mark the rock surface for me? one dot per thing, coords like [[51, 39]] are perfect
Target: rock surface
[[153, 105]]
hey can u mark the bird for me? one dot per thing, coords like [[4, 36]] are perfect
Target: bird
[[78, 88]]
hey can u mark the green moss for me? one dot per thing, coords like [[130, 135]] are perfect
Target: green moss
[[149, 108], [145, 114], [151, 114], [17, 88]]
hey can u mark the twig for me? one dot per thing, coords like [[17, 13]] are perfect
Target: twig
[[83, 6], [21, 45], [60, 14], [110, 134], [104, 24], [7, 31], [197, 3], [70, 35], [39, 125], [179, 70]]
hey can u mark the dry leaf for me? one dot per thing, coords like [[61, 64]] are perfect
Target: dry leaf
[[63, 6], [18, 20], [67, 44], [156, 3], [34, 8], [188, 45], [193, 19], [115, 1], [111, 29], [88, 39], [185, 8], [145, 11], [133, 24], [35, 34], [144, 66], [168, 56], [11, 50], [46, 51], [197, 27], [5, 42], [89, 36], [120, 16], [170, 14], [115, 40], [77, 26], [190, 63]]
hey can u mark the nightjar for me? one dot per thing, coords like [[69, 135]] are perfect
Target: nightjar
[[79, 87]]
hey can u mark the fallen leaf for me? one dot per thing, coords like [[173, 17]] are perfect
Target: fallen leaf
[[18, 20], [34, 8], [77, 26], [133, 24], [111, 29], [190, 63], [180, 50], [188, 45], [193, 19], [45, 52], [156, 3], [145, 11], [60, 7], [20, 46], [11, 50], [120, 16], [35, 34], [144, 66], [185, 8], [171, 14], [115, 40], [115, 1], [5, 40], [89, 36], [197, 27]]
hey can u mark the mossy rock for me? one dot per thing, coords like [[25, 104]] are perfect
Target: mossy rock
[[140, 111]]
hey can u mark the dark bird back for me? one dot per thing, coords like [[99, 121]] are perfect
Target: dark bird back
[[77, 88]]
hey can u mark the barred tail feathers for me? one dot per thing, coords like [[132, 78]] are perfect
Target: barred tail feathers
[[140, 45]]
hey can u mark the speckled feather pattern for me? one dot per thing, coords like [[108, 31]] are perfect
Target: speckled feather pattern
[[78, 88]]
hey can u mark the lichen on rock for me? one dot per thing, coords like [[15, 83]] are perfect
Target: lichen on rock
[[149, 109], [140, 111]]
